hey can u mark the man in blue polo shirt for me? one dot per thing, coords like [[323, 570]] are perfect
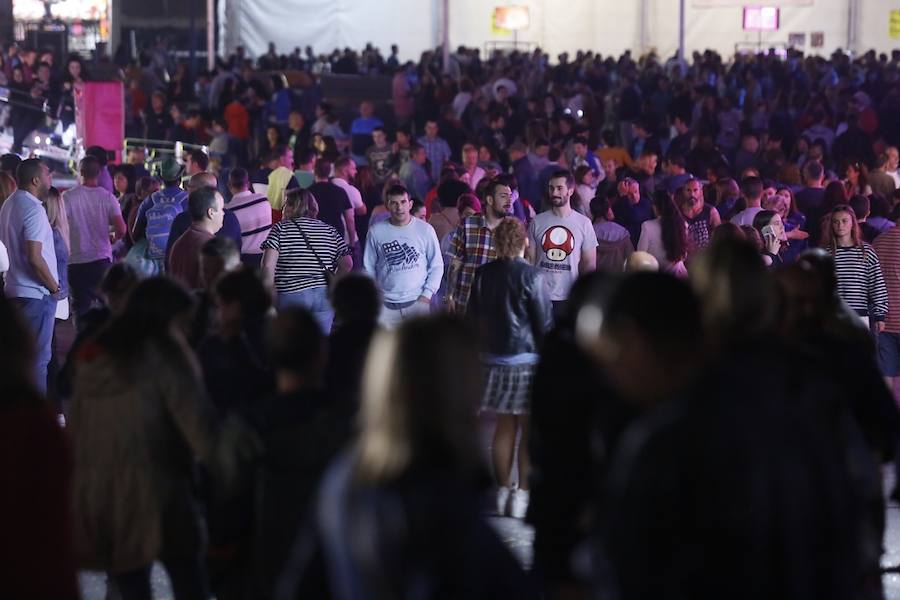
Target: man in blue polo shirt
[[32, 282]]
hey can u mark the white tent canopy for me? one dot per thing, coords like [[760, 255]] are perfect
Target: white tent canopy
[[605, 26]]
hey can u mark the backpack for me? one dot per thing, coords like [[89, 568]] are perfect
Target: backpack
[[166, 206]]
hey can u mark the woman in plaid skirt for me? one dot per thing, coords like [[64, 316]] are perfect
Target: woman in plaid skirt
[[511, 307]]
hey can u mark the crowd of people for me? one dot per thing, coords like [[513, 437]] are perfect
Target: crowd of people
[[673, 288]]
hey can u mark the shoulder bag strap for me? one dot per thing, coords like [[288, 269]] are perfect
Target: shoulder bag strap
[[309, 245]]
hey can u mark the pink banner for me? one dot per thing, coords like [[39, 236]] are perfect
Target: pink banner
[[100, 114]]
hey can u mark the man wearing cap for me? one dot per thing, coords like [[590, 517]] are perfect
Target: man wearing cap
[[156, 213]]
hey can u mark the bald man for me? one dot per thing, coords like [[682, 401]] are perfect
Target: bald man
[[641, 261], [231, 227]]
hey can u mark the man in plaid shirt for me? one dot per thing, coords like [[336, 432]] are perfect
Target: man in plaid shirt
[[472, 245]]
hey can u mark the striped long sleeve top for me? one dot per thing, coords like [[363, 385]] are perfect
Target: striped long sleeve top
[[860, 281]]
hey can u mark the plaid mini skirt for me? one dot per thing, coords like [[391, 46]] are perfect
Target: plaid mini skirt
[[507, 389]]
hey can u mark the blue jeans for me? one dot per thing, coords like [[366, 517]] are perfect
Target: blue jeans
[[38, 316], [391, 318], [315, 300]]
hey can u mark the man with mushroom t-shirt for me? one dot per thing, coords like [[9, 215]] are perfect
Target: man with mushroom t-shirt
[[563, 242]]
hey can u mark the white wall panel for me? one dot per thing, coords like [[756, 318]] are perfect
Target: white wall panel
[[606, 26]]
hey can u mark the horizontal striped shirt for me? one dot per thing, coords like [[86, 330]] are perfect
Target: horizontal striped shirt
[[887, 247], [297, 268], [254, 213], [860, 281]]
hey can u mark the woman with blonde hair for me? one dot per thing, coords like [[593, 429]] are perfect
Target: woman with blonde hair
[[511, 308], [860, 282], [396, 511], [301, 255], [59, 223], [7, 186]]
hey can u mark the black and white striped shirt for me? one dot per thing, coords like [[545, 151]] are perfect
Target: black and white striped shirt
[[860, 281], [297, 268]]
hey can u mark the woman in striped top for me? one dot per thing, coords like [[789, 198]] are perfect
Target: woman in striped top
[[296, 253], [860, 281]]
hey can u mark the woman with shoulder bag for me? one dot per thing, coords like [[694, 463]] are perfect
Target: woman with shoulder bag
[[301, 256]]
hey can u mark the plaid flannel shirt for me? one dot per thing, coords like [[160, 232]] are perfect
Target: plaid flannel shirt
[[472, 245]]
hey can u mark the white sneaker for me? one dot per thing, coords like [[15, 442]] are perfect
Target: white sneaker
[[503, 494], [519, 504]]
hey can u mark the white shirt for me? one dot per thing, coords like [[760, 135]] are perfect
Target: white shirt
[[4, 259], [745, 217], [352, 193], [23, 219], [895, 175], [651, 243], [476, 176]]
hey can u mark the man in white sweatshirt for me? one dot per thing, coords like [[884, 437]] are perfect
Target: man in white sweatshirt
[[403, 255]]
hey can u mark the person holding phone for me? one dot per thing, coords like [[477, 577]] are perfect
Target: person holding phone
[[771, 228]]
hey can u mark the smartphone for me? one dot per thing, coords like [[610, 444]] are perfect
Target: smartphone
[[769, 231]]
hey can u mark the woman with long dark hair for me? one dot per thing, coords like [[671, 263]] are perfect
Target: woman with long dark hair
[[666, 236]]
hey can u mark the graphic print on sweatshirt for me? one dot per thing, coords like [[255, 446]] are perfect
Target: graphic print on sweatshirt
[[400, 256]]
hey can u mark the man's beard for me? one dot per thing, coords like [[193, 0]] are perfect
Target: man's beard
[[557, 201], [500, 212]]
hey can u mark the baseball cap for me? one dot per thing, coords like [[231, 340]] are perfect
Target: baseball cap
[[170, 169]]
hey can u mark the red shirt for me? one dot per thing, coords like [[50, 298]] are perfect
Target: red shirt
[[184, 264], [887, 247], [238, 120]]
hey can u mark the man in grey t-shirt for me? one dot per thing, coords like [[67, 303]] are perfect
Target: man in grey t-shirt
[[563, 242]]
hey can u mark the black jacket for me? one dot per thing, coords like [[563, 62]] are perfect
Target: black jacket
[[511, 307]]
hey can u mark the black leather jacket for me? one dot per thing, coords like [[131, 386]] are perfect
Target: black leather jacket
[[511, 307]]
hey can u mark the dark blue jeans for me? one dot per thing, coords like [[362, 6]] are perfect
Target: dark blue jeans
[[84, 279], [38, 316]]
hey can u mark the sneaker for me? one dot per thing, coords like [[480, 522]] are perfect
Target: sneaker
[[503, 494], [519, 504]]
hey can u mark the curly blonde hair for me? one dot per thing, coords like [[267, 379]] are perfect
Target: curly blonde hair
[[509, 237]]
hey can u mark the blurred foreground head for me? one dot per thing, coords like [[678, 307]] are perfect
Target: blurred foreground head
[[641, 261], [647, 335], [419, 399], [16, 357], [735, 290]]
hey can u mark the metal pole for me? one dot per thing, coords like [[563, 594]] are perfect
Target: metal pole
[[192, 29], [210, 35], [445, 33], [680, 32]]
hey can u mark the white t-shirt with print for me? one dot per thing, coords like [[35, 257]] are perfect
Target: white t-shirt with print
[[557, 244]]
